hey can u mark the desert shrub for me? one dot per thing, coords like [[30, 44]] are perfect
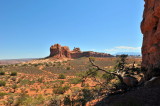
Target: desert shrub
[[10, 101], [67, 101], [87, 95], [2, 94], [14, 86], [108, 77], [25, 65], [47, 64], [21, 99], [59, 63], [92, 72], [68, 68], [13, 74], [2, 83], [60, 89], [92, 58], [58, 82], [55, 101], [75, 80], [61, 76], [2, 73], [35, 65], [32, 101], [24, 82], [40, 80], [13, 78]]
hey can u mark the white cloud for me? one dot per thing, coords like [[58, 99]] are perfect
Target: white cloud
[[92, 49], [123, 49]]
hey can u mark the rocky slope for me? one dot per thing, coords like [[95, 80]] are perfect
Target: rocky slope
[[150, 27], [58, 51]]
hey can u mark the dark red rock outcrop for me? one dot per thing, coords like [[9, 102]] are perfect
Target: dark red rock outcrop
[[58, 51], [150, 27]]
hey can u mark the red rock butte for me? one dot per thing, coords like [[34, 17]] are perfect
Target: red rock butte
[[150, 27], [58, 51]]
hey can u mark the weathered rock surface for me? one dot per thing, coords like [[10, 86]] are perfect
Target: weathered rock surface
[[150, 27], [154, 82], [130, 81], [58, 51]]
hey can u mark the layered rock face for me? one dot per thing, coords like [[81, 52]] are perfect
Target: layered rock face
[[150, 27], [58, 51]]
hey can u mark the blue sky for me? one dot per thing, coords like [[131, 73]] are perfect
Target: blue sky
[[29, 27]]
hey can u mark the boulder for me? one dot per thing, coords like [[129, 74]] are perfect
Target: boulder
[[130, 81], [153, 82]]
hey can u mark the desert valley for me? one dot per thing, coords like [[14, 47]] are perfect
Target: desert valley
[[58, 78]]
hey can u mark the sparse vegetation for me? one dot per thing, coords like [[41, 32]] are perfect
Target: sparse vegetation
[[2, 73], [61, 76], [61, 89], [13, 73], [2, 83], [74, 82]]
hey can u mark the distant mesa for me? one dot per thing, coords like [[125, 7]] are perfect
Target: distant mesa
[[58, 51]]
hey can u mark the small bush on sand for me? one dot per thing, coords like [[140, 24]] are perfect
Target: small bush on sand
[[61, 76], [2, 83], [13, 73], [60, 89], [2, 94], [2, 73], [75, 80], [68, 68], [40, 80]]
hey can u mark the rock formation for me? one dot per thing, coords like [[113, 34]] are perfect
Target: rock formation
[[58, 51], [150, 27]]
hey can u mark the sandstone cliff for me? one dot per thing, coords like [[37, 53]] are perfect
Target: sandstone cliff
[[150, 27], [58, 51]]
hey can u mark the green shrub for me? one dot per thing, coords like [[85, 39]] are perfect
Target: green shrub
[[24, 82], [58, 81], [60, 89], [61, 76], [40, 80], [75, 80], [13, 73], [47, 65], [35, 65], [108, 77], [26, 100], [87, 95], [14, 86], [13, 78], [2, 94], [92, 58], [2, 83], [67, 101], [2, 73], [68, 68]]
